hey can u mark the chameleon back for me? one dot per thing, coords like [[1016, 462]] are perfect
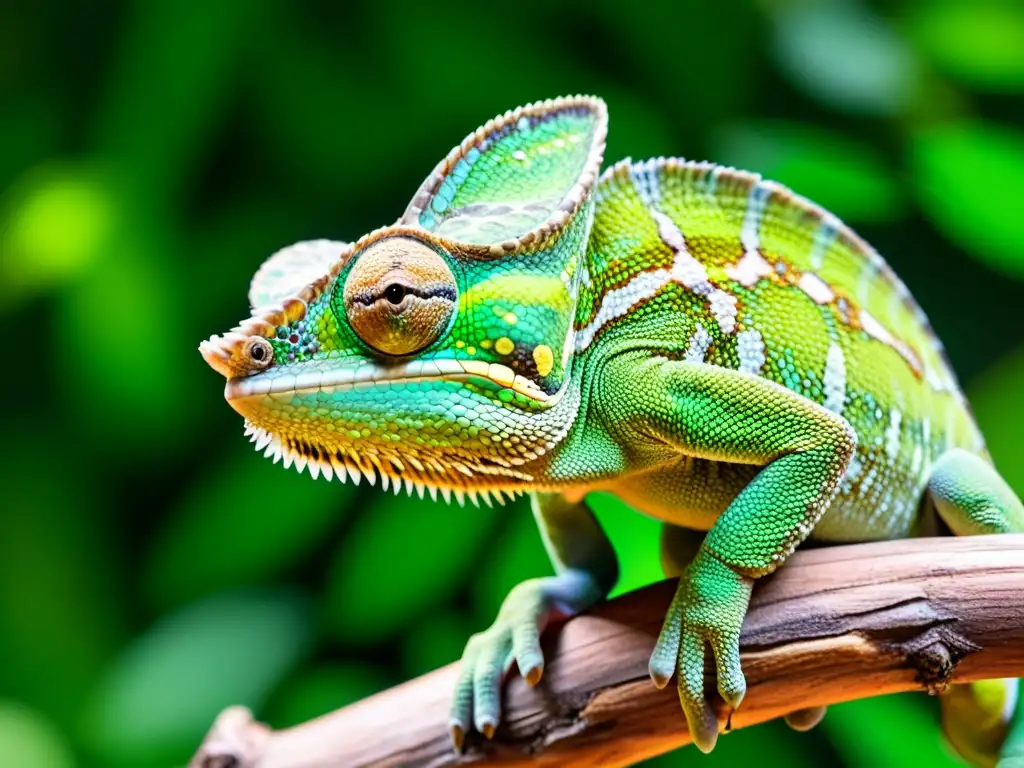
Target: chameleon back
[[717, 266]]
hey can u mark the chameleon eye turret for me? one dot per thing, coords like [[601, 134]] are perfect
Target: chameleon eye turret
[[399, 296]]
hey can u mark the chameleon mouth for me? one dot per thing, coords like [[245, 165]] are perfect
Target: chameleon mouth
[[367, 375], [422, 476], [482, 479]]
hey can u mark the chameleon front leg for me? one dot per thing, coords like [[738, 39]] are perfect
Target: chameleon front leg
[[679, 546], [728, 416], [586, 570]]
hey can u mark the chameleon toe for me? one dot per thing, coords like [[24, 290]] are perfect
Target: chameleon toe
[[731, 683], [665, 655], [703, 729]]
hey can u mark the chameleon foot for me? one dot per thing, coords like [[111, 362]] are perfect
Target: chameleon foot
[[513, 637], [708, 609]]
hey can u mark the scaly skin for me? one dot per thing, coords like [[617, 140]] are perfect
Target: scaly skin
[[723, 354]]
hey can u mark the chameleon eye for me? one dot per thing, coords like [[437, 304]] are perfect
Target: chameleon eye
[[259, 352], [394, 293], [399, 296]]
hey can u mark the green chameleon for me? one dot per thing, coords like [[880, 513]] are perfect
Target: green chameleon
[[721, 353]]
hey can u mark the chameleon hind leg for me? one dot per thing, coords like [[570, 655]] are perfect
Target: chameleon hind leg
[[979, 718], [678, 548], [585, 571]]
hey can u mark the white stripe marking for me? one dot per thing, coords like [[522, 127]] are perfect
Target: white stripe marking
[[757, 200], [723, 307], [692, 274], [699, 343], [645, 180], [816, 288], [879, 332], [686, 269], [835, 379], [892, 434], [823, 238], [749, 269], [618, 301], [915, 462], [750, 348]]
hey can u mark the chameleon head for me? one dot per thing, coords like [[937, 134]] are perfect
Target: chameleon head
[[436, 352]]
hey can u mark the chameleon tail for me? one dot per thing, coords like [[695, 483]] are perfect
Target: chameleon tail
[[984, 723], [1012, 755]]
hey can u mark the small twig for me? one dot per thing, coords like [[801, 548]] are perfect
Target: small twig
[[832, 625]]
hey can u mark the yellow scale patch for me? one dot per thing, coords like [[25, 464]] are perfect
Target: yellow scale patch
[[543, 358], [504, 346]]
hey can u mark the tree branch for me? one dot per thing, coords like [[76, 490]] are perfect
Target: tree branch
[[832, 625]]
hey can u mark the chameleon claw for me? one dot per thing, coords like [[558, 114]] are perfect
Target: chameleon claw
[[458, 737], [488, 730], [534, 674], [659, 679]]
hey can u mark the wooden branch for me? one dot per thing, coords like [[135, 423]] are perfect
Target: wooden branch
[[832, 625]]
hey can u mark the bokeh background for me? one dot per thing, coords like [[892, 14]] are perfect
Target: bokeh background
[[153, 568]]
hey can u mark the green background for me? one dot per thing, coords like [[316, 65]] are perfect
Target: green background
[[153, 568]]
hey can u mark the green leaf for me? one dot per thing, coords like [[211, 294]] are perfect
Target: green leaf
[[154, 704], [245, 519], [635, 538], [29, 740], [968, 176], [846, 176], [888, 732], [980, 42], [403, 557], [55, 221], [843, 55]]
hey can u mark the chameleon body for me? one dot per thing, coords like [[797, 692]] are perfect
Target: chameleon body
[[723, 354]]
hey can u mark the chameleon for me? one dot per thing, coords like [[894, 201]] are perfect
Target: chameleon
[[721, 353]]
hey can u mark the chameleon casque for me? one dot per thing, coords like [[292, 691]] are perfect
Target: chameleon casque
[[721, 353]]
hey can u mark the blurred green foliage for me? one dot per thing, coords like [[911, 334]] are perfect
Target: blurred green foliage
[[153, 569]]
